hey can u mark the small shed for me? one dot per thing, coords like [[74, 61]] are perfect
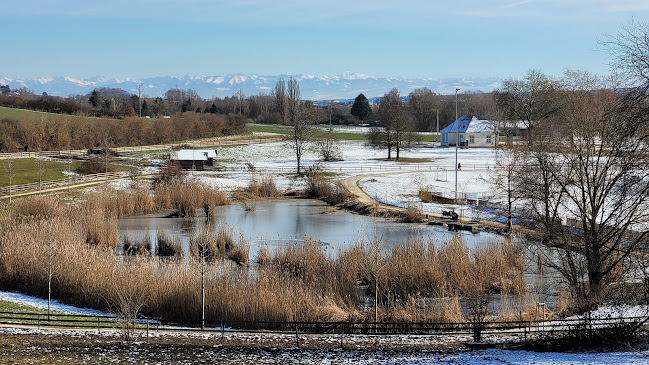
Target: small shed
[[193, 159], [471, 132]]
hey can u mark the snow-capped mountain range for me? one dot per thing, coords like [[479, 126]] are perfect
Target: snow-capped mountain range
[[344, 86]]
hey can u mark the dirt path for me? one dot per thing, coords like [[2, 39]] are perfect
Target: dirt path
[[351, 184]]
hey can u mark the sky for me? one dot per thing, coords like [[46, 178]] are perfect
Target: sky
[[385, 38]]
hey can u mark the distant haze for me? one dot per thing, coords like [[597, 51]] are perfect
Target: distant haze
[[344, 86]]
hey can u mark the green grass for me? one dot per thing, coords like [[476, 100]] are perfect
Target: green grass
[[6, 306], [12, 112], [26, 170]]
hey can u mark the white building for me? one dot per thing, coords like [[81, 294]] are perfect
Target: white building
[[193, 159], [471, 132]]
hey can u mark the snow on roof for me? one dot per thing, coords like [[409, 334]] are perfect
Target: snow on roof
[[470, 124], [193, 155]]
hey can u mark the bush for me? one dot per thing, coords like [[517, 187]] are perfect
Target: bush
[[95, 165], [319, 188]]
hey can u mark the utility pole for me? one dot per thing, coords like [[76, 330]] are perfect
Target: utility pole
[[139, 97], [457, 141], [240, 103]]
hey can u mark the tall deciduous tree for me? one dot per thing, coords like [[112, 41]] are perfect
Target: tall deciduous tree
[[423, 108], [361, 108], [280, 99], [396, 128], [586, 186], [532, 100], [298, 115]]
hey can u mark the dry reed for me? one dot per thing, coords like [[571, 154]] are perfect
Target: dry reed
[[167, 245], [416, 281]]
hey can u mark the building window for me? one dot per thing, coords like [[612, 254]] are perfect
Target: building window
[[472, 139], [489, 138]]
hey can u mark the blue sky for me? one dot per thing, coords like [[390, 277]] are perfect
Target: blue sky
[[407, 38]]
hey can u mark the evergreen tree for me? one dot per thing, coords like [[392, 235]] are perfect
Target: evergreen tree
[[361, 108], [95, 98]]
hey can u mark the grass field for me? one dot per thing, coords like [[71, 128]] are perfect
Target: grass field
[[26, 170], [12, 112], [6, 306], [347, 136]]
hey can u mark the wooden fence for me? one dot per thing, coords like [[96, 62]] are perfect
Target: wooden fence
[[521, 329]]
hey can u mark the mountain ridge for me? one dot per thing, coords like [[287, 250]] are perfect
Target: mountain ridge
[[313, 87]]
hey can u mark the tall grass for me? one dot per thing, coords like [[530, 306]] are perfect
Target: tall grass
[[318, 187], [167, 245], [416, 281]]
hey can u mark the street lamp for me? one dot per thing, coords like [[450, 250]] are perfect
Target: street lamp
[[457, 141]]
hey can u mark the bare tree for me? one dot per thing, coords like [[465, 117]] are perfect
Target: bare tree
[[507, 183], [396, 129], [630, 53], [531, 100], [280, 99], [586, 185], [203, 249], [11, 173], [423, 105], [299, 117]]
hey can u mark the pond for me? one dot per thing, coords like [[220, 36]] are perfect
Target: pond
[[278, 221], [272, 223]]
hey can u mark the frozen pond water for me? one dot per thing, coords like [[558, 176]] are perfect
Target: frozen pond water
[[276, 222]]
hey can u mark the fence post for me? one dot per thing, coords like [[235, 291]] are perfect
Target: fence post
[[147, 329], [222, 334], [297, 338], [38, 320], [98, 325]]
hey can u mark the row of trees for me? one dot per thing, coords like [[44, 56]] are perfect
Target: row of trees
[[581, 177], [35, 132], [423, 105]]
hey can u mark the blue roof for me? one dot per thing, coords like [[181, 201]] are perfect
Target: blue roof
[[462, 125]]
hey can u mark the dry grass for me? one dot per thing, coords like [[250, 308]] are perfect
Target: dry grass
[[416, 281], [412, 215], [137, 247], [259, 187], [167, 245], [185, 198], [318, 187]]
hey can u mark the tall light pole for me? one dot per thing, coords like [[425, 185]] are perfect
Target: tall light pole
[[139, 97], [457, 141]]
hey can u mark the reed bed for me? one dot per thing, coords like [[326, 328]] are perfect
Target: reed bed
[[185, 198], [320, 188], [167, 245], [416, 281], [260, 186], [137, 247]]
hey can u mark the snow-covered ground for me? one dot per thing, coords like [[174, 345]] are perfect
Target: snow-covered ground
[[390, 182], [39, 303]]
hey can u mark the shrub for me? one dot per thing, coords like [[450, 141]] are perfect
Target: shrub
[[319, 188], [95, 165]]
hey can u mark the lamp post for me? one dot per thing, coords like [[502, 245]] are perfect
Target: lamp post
[[457, 141]]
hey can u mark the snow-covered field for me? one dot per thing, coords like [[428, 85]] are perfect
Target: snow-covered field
[[390, 182]]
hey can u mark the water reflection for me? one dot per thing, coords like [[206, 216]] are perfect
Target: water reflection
[[288, 220]]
